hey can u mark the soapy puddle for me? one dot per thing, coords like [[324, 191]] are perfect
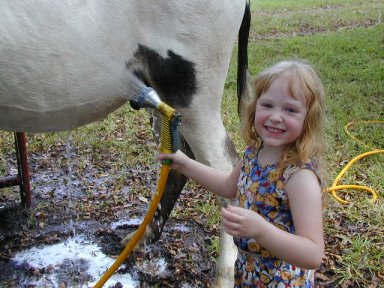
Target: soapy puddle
[[78, 262], [81, 260]]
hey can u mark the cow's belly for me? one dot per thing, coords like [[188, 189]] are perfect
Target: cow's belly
[[44, 96], [59, 69], [20, 118]]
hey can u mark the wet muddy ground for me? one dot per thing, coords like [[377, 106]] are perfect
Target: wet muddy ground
[[92, 202], [86, 196]]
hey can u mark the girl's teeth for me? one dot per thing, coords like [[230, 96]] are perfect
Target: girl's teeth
[[274, 130]]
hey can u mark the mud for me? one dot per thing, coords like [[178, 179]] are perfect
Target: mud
[[91, 203]]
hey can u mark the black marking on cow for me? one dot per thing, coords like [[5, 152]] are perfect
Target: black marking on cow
[[175, 183], [174, 77]]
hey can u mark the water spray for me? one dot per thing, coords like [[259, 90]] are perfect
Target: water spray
[[145, 96]]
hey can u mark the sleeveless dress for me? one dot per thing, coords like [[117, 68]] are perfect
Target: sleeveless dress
[[262, 190]]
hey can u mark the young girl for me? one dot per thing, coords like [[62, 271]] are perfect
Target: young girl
[[277, 217]]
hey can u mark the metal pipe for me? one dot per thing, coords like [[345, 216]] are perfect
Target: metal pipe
[[22, 177], [22, 160]]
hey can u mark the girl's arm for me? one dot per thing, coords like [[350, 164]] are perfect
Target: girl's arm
[[305, 248], [221, 183]]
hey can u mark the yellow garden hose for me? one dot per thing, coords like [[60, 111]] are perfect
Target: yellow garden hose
[[141, 230], [168, 142], [335, 187]]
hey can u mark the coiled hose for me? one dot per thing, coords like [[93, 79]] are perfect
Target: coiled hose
[[335, 187]]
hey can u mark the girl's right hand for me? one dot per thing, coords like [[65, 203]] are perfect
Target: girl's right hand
[[178, 159]]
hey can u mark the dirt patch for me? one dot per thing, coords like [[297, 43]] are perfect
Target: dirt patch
[[93, 201]]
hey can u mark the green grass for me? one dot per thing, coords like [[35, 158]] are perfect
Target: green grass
[[345, 41], [306, 18], [273, 5]]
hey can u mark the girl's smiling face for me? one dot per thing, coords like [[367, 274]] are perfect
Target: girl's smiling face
[[279, 117]]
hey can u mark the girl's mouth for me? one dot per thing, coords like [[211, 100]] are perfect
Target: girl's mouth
[[274, 130]]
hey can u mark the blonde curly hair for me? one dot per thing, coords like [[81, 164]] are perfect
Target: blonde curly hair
[[303, 80]]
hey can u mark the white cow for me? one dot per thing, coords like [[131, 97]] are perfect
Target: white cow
[[64, 64]]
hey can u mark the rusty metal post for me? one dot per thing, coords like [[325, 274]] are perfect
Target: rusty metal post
[[22, 178], [22, 163]]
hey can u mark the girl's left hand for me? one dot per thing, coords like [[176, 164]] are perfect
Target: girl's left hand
[[241, 222]]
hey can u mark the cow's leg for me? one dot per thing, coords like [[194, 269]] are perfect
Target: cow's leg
[[216, 150], [175, 184]]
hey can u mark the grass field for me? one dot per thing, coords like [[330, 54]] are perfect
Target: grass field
[[344, 39]]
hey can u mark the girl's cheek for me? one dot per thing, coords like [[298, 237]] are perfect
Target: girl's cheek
[[260, 118]]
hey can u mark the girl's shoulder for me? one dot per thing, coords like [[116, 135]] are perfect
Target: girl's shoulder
[[312, 164]]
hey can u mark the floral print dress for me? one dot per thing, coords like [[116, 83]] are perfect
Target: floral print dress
[[261, 189]]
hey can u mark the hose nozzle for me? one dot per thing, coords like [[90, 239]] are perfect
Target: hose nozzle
[[169, 132], [148, 98]]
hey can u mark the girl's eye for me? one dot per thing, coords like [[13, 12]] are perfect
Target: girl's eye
[[291, 110], [266, 105]]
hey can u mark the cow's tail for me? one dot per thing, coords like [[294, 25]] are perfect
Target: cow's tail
[[242, 57]]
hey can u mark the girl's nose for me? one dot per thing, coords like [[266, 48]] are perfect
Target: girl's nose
[[276, 116]]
